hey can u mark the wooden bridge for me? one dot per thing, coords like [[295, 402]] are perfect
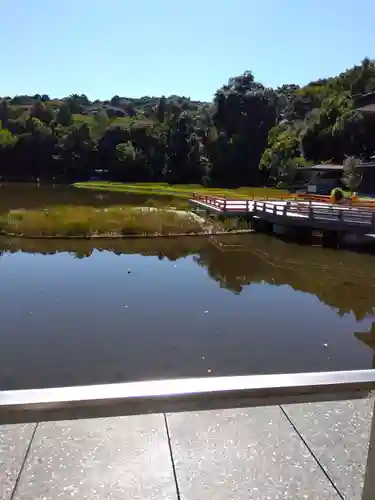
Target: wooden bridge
[[314, 212]]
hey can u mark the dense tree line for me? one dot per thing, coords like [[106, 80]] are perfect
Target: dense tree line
[[249, 134]]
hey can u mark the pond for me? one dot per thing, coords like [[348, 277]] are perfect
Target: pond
[[75, 312]]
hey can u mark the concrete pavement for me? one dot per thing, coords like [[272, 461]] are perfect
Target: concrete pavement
[[314, 451]]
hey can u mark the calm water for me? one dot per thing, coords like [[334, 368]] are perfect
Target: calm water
[[71, 313]]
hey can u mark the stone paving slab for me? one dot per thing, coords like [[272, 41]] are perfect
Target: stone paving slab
[[14, 442], [111, 458], [252, 454], [338, 435]]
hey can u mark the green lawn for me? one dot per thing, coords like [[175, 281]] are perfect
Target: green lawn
[[119, 121], [180, 190], [78, 118]]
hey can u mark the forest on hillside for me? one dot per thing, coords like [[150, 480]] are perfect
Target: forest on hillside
[[248, 134]]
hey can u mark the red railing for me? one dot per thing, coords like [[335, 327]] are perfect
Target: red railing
[[224, 204], [238, 204]]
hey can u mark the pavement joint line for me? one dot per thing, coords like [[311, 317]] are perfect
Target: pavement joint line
[[24, 462], [295, 428], [171, 455]]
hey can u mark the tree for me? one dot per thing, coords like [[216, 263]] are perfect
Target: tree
[[4, 113], [125, 152], [84, 100], [283, 153], [177, 166], [64, 116], [100, 123], [21, 100], [285, 95], [6, 138], [318, 140], [245, 111], [161, 109], [74, 103], [115, 101], [41, 111], [131, 163], [351, 177], [73, 152]]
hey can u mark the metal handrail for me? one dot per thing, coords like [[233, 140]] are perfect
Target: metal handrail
[[158, 396]]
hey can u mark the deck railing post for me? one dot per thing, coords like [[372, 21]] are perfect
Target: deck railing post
[[225, 205], [247, 205], [368, 492], [311, 210]]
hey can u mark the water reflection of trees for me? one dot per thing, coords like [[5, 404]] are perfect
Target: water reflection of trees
[[342, 280], [170, 248], [368, 338]]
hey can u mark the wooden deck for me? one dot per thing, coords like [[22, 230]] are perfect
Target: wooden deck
[[315, 213]]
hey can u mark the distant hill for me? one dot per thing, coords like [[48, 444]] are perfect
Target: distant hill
[[116, 106]]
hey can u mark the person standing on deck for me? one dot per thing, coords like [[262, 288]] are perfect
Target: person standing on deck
[[338, 197]]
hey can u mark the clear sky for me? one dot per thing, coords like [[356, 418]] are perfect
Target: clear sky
[[154, 47]]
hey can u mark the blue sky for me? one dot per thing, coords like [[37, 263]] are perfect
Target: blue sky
[[154, 47]]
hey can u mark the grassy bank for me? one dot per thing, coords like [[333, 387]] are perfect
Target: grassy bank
[[163, 201], [180, 190], [86, 221]]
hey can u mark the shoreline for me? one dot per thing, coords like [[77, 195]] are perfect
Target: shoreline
[[125, 236]]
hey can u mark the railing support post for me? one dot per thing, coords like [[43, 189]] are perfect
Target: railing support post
[[311, 211], [368, 492], [285, 209]]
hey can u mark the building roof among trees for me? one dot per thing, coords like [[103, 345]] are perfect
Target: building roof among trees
[[365, 102], [331, 167]]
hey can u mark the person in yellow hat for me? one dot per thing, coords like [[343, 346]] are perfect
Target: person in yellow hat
[[337, 195]]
